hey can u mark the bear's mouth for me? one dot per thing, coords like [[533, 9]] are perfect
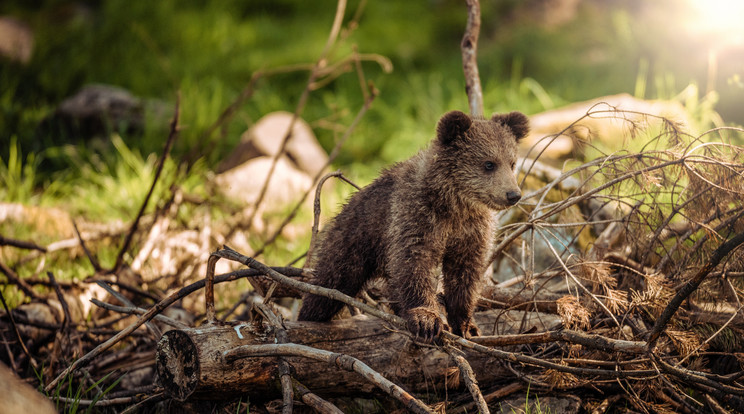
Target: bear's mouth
[[497, 203]]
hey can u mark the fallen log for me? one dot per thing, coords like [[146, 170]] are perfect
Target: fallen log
[[518, 299], [191, 363]]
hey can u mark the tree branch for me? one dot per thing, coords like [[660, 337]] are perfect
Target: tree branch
[[469, 47], [174, 130], [689, 287]]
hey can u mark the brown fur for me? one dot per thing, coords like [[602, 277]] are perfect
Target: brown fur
[[433, 209]]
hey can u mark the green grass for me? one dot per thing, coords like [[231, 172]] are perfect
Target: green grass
[[68, 394]]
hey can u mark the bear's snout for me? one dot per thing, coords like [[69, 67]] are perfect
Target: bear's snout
[[512, 197]]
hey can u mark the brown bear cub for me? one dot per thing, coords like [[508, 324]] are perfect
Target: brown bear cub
[[432, 210]]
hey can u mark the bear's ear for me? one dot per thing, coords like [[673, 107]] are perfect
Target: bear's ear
[[452, 125], [516, 121]]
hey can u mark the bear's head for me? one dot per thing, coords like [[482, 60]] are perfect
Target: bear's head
[[476, 157]]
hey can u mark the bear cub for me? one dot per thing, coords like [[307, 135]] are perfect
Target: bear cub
[[431, 212]]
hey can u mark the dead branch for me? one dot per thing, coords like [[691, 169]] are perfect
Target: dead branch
[[316, 203], [14, 279], [331, 157], [17, 333], [592, 341], [65, 307], [133, 310], [690, 376], [156, 309], [469, 47], [174, 130], [103, 402], [691, 285], [318, 404], [121, 298], [21, 244], [224, 116], [466, 372], [518, 298], [320, 63], [316, 213], [283, 368], [553, 209], [92, 259]]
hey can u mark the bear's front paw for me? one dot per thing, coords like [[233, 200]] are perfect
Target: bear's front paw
[[466, 329], [424, 323]]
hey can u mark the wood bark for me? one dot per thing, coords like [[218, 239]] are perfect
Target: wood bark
[[519, 299], [191, 364]]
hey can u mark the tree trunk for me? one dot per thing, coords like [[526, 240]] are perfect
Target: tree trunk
[[190, 362]]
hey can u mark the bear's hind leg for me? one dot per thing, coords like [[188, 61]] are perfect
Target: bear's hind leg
[[321, 308]]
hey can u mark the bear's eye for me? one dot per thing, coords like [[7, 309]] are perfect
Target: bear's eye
[[489, 166]]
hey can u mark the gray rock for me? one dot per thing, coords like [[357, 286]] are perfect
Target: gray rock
[[98, 105], [265, 139], [97, 110], [16, 40], [243, 183]]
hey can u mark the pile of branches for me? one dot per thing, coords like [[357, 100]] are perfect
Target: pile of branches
[[636, 307], [616, 286]]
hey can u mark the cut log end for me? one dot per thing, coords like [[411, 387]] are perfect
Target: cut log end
[[178, 364]]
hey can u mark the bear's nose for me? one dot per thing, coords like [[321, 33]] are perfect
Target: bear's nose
[[512, 197]]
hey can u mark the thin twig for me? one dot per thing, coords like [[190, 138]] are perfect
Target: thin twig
[[174, 130], [331, 157], [17, 332], [577, 282], [284, 370], [151, 399], [592, 341], [316, 403], [687, 375], [123, 299], [467, 374], [134, 310], [21, 244], [14, 279], [233, 255], [106, 402], [571, 201], [316, 215], [285, 379], [65, 308], [209, 289], [321, 62], [225, 116], [92, 259]]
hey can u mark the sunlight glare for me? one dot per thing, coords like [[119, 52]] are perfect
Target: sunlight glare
[[723, 19]]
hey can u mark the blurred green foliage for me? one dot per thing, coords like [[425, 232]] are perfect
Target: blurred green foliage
[[208, 51]]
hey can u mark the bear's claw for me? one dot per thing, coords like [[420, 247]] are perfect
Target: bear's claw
[[466, 329], [425, 324]]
